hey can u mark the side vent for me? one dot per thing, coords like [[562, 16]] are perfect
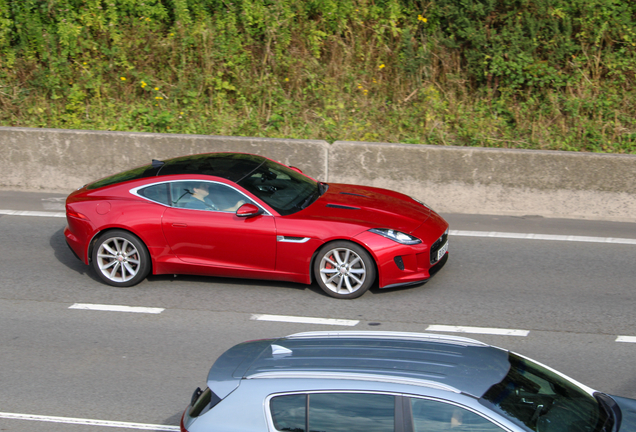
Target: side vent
[[354, 194], [344, 207]]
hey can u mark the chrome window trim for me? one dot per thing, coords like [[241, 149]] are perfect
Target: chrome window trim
[[390, 379], [134, 191], [290, 239]]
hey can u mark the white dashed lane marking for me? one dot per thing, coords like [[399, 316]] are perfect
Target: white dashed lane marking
[[478, 330], [330, 321], [116, 308], [629, 339], [88, 422], [304, 320]]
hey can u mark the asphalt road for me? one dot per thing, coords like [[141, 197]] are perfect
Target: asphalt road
[[573, 298]]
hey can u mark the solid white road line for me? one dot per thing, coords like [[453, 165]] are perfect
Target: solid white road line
[[552, 237], [458, 233], [630, 339], [116, 308], [478, 330], [32, 213], [89, 422], [304, 320]]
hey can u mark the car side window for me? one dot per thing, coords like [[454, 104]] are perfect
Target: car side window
[[288, 412], [204, 195], [157, 192], [334, 412], [433, 416]]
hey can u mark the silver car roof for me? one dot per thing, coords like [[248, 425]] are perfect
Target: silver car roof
[[445, 362]]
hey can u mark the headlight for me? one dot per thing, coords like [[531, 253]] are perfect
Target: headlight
[[396, 236]]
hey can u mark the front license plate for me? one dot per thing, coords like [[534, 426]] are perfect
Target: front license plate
[[442, 251]]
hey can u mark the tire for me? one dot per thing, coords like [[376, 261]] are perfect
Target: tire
[[120, 259], [344, 270]]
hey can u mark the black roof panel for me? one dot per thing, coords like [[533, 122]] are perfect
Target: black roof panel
[[231, 166]]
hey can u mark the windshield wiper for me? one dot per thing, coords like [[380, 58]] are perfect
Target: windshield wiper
[[322, 188], [311, 198]]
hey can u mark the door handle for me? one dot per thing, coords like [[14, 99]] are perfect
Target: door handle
[[179, 225]]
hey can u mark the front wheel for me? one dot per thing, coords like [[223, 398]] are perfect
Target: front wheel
[[344, 270], [120, 258]]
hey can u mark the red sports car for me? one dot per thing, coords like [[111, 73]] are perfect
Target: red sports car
[[247, 216]]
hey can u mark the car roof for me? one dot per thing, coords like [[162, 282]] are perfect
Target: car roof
[[231, 166], [450, 363]]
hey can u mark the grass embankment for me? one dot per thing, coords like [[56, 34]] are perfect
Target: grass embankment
[[541, 74]]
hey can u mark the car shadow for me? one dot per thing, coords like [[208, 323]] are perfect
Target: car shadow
[[66, 257], [379, 291], [174, 420], [232, 281]]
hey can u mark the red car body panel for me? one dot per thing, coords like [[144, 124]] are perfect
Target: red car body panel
[[267, 246]]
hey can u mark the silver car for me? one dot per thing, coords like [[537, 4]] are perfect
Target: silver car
[[387, 381]]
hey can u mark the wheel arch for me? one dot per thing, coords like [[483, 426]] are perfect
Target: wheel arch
[[91, 244], [374, 258]]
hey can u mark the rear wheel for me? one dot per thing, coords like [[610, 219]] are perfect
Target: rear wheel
[[344, 270], [120, 258]]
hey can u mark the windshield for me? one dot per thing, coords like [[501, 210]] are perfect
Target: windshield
[[285, 190], [540, 400]]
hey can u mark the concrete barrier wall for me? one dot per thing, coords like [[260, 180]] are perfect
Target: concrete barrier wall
[[450, 179], [495, 181], [58, 160]]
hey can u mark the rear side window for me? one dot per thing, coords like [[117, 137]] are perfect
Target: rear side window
[[334, 412], [158, 193], [288, 412]]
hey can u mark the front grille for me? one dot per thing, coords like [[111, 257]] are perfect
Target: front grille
[[437, 245]]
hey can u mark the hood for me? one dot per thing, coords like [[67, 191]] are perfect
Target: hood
[[628, 413], [374, 207]]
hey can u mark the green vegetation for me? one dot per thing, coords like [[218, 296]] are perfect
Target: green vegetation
[[535, 74]]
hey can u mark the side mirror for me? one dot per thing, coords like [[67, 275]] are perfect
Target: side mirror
[[296, 169], [248, 210]]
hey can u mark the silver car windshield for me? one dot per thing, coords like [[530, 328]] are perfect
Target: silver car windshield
[[542, 401]]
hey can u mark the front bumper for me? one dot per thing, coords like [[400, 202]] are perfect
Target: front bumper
[[431, 272], [399, 264]]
